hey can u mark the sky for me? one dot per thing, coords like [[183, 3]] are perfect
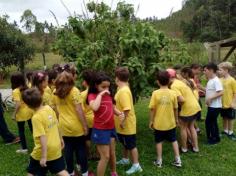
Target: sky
[[40, 8]]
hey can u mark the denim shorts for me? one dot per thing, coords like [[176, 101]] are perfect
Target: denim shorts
[[103, 137]]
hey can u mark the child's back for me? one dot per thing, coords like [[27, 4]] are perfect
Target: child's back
[[45, 123], [164, 101]]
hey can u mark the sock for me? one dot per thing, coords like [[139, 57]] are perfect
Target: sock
[[230, 132], [177, 158], [226, 131], [136, 164], [195, 149], [184, 150], [125, 159], [159, 160], [85, 174]]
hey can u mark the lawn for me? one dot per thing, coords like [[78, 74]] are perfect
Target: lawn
[[214, 160]]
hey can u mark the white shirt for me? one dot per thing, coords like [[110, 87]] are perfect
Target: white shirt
[[214, 85]]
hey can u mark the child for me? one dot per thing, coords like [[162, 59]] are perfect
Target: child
[[188, 112], [67, 100], [52, 75], [164, 117], [87, 76], [126, 128], [103, 133], [228, 99], [22, 112], [47, 153], [214, 91], [8, 137], [40, 80], [29, 75]]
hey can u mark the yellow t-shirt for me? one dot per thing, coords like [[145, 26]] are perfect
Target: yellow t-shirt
[[88, 112], [164, 102], [229, 86], [69, 122], [124, 101], [190, 105], [47, 96], [24, 113], [45, 123]]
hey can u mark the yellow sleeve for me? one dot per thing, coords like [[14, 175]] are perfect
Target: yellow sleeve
[[124, 100], [76, 96], [178, 93], [175, 102], [234, 86], [38, 127], [152, 104], [16, 95]]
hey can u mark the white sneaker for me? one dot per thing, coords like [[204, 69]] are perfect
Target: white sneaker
[[23, 151], [134, 169], [157, 163], [123, 162], [177, 163]]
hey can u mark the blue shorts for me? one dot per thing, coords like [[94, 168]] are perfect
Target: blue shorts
[[128, 141], [103, 137]]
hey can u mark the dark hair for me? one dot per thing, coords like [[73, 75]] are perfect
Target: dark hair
[[122, 73], [29, 75], [187, 71], [211, 66], [32, 97], [187, 74], [64, 83], [97, 79], [88, 76], [38, 78], [52, 75], [68, 68], [163, 77], [195, 66], [18, 81], [56, 67]]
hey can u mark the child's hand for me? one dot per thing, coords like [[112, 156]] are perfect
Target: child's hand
[[43, 162], [151, 125], [62, 144], [122, 124], [104, 92], [208, 101], [122, 116], [86, 131]]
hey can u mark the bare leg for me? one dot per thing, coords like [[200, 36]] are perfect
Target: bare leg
[[104, 152]]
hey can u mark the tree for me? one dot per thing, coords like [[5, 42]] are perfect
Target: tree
[[15, 49], [116, 38], [29, 20]]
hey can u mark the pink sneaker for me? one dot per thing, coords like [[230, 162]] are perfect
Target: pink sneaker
[[90, 173], [114, 174]]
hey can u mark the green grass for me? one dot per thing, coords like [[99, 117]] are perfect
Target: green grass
[[212, 160]]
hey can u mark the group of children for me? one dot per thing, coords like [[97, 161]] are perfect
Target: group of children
[[62, 117]]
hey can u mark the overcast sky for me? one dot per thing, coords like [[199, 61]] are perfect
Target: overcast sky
[[40, 8]]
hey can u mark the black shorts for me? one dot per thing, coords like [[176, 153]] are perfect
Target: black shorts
[[191, 118], [54, 166], [88, 137], [169, 135], [128, 141], [228, 113]]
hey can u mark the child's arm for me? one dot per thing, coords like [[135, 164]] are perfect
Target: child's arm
[[17, 107], [81, 116], [152, 115], [233, 104], [95, 104], [176, 116], [43, 142], [214, 96]]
